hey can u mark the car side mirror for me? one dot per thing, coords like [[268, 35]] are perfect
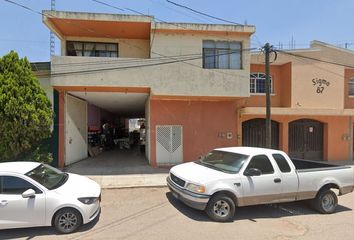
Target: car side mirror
[[29, 193], [252, 172]]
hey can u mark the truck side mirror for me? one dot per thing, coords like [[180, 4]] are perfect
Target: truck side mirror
[[252, 172]]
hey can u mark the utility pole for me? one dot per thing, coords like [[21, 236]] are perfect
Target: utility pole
[[52, 37], [267, 50]]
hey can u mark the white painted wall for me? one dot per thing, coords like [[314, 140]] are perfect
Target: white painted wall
[[75, 130]]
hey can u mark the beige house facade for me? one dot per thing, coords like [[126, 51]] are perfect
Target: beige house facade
[[184, 79]]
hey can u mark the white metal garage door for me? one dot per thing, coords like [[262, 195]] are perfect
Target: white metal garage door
[[75, 130], [169, 145]]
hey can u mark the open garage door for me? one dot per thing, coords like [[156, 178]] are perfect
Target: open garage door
[[75, 130], [254, 134], [306, 139]]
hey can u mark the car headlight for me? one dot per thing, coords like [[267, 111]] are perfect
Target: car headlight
[[88, 200], [195, 188]]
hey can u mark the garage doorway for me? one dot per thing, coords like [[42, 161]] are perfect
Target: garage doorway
[[254, 133], [306, 139]]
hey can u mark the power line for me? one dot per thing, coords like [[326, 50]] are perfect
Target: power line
[[142, 65], [103, 3], [199, 18], [201, 13], [168, 23], [175, 57], [108, 36], [315, 59]]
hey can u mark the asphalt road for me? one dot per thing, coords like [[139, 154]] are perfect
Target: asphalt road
[[152, 213]]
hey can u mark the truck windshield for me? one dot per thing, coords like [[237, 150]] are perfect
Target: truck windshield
[[48, 176], [223, 161]]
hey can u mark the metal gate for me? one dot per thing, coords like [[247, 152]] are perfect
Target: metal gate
[[169, 146], [254, 133], [306, 139]]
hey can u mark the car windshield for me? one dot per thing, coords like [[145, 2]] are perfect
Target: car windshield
[[48, 176], [223, 161]]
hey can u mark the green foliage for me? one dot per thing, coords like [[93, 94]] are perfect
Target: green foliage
[[25, 111]]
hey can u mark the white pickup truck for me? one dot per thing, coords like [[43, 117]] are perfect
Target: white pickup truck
[[232, 177]]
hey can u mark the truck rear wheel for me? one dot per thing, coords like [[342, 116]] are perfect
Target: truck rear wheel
[[325, 202], [221, 208]]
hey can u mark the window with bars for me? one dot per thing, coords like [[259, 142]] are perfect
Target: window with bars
[[222, 55], [351, 87], [91, 49], [258, 83]]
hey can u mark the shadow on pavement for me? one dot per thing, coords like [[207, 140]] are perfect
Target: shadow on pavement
[[115, 162], [30, 233], [253, 213]]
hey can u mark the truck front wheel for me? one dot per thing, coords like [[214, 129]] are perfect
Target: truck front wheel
[[326, 201], [221, 208]]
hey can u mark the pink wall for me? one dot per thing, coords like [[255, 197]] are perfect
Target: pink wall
[[205, 124], [96, 115]]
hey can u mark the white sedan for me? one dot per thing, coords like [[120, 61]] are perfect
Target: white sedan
[[35, 194]]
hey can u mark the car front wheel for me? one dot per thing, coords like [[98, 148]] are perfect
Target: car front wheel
[[67, 220], [221, 208]]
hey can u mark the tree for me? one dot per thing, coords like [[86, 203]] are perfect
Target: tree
[[25, 111]]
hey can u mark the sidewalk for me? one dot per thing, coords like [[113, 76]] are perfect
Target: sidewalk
[[120, 168], [131, 180]]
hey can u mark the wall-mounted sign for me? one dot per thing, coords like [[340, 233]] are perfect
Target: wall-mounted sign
[[320, 84]]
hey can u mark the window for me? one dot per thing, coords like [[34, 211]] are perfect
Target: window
[[257, 83], [223, 161], [351, 87], [15, 185], [91, 49], [222, 55], [262, 163], [282, 163]]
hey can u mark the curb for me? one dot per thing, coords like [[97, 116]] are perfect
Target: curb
[[130, 180]]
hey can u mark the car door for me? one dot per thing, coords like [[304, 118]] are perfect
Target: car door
[[265, 188], [289, 179], [16, 211]]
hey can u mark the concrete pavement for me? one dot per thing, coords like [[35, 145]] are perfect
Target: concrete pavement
[[153, 213], [121, 168]]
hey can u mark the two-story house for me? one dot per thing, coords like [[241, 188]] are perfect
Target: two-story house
[[312, 103], [184, 79]]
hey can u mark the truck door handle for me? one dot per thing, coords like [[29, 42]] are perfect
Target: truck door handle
[[3, 203], [277, 180]]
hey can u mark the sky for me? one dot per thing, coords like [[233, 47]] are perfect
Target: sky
[[276, 21]]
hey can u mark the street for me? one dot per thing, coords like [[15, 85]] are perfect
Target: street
[[152, 213]]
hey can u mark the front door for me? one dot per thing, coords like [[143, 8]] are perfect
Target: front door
[[266, 188], [254, 133], [306, 139], [16, 211]]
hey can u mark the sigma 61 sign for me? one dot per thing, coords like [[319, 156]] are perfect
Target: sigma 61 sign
[[320, 84]]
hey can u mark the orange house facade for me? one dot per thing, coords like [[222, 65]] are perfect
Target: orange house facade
[[312, 103]]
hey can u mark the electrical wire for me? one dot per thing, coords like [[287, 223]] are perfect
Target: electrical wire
[[138, 66], [108, 36], [201, 13], [143, 60], [315, 59]]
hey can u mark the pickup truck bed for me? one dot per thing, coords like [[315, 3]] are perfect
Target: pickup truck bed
[[301, 164]]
